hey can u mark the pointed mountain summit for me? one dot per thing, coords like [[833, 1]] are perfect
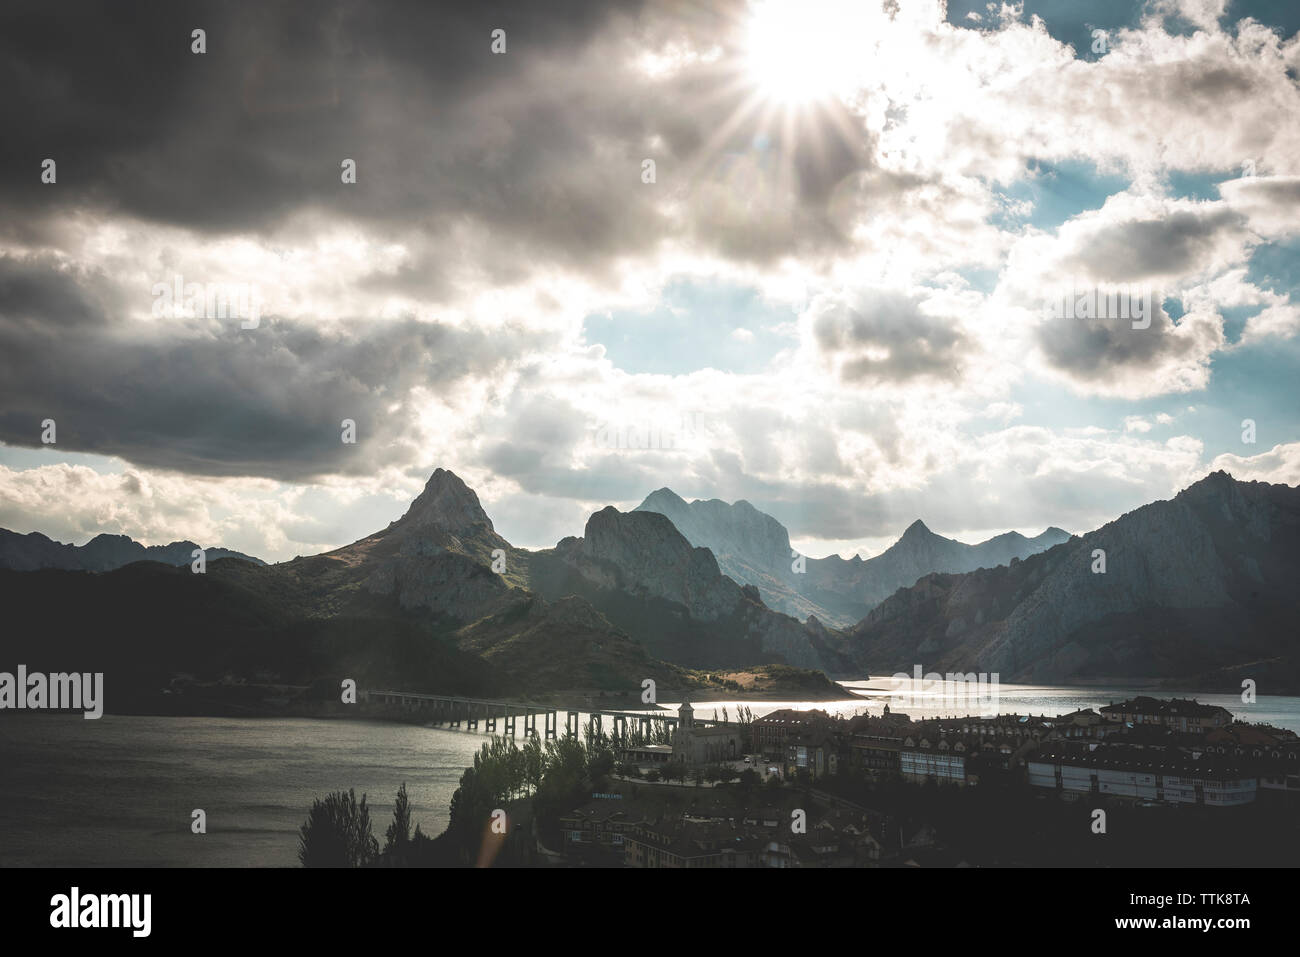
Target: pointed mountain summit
[[449, 504], [916, 532]]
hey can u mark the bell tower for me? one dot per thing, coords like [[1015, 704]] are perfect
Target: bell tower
[[685, 714]]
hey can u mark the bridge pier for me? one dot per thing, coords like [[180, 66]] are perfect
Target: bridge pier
[[552, 725], [510, 725], [571, 723], [490, 724]]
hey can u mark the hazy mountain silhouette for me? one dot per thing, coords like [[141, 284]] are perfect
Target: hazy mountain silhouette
[[754, 549], [101, 554]]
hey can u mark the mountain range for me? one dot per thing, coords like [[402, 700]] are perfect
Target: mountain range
[[1198, 587], [101, 554], [754, 548]]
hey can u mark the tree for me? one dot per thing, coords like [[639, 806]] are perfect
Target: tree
[[399, 832], [337, 833]]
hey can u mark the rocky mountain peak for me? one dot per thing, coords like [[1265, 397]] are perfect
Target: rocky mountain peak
[[916, 532], [662, 498], [446, 503]]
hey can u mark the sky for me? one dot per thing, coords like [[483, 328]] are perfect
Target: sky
[[814, 254]]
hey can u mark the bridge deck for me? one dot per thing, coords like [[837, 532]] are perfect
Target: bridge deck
[[517, 706]]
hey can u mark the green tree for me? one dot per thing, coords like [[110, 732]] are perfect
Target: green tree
[[337, 833], [399, 832]]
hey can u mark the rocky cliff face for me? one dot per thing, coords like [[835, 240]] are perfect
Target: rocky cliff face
[[102, 553], [1201, 582], [643, 554], [642, 573], [754, 548]]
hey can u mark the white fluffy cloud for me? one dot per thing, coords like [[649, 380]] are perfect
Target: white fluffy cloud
[[885, 223]]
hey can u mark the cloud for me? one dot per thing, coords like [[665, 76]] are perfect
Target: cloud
[[440, 300], [207, 397], [1280, 464], [882, 335]]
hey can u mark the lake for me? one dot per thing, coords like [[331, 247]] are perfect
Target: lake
[[120, 790]]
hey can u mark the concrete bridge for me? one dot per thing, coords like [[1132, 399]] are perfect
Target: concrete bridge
[[452, 710]]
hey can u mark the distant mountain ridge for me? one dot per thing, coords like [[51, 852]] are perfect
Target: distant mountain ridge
[[753, 548], [102, 553], [1203, 584]]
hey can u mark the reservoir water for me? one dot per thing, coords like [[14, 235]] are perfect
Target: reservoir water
[[121, 790]]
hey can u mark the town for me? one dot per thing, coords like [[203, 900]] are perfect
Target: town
[[804, 788]]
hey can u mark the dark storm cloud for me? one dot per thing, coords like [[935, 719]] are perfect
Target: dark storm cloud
[[260, 122], [540, 147], [39, 289], [206, 397]]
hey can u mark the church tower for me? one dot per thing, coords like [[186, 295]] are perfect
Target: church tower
[[685, 714]]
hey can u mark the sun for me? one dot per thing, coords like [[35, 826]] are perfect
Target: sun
[[800, 51]]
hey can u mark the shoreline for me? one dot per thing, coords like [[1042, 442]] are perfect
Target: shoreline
[[280, 701]]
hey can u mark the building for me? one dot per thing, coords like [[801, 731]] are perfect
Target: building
[[696, 742], [599, 828], [758, 837], [945, 763], [813, 753], [1144, 774], [1178, 714], [648, 754], [1273, 752], [675, 842], [773, 732]]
